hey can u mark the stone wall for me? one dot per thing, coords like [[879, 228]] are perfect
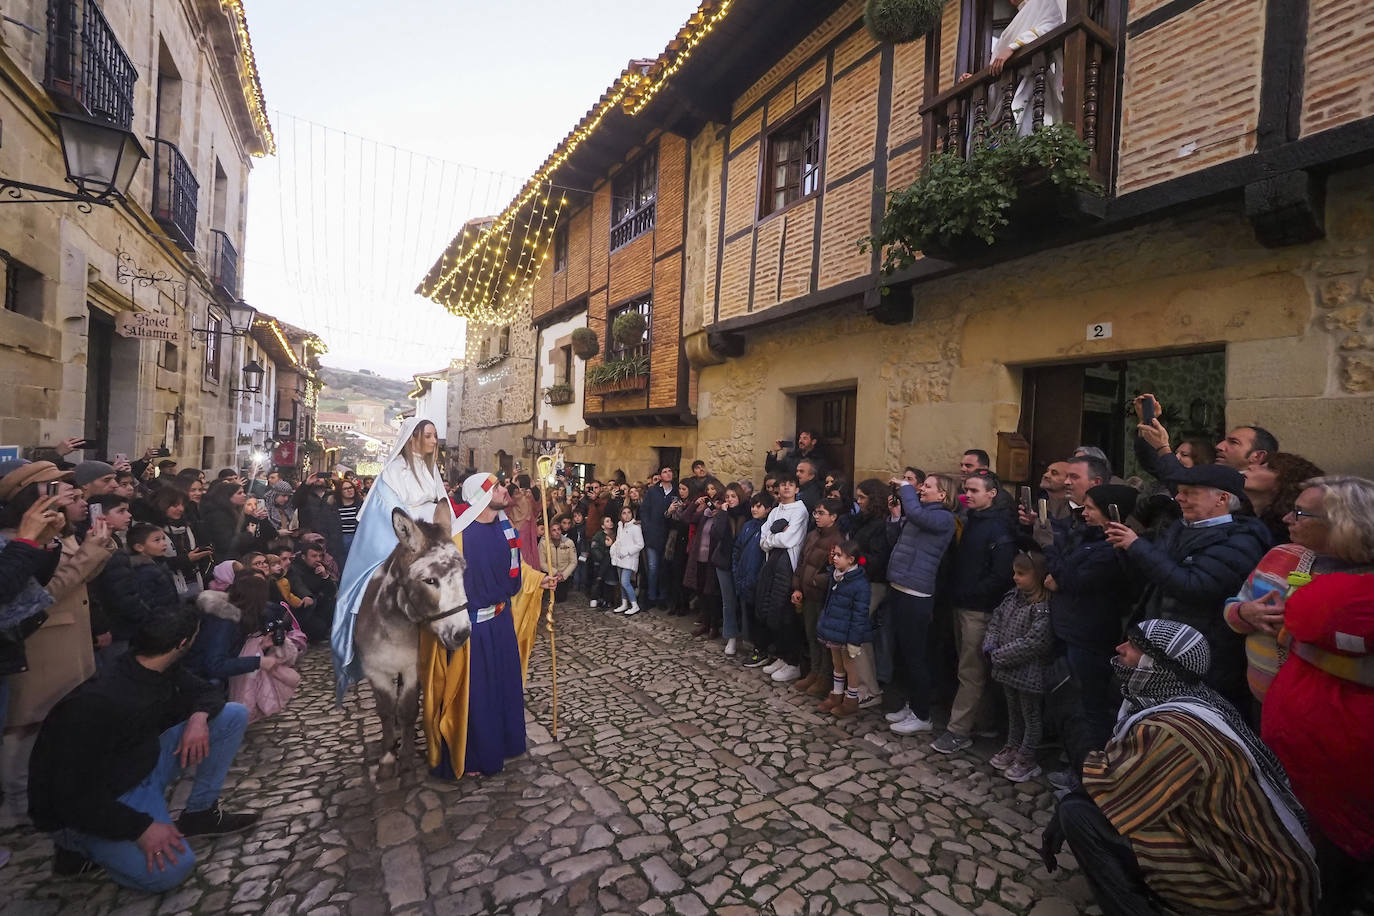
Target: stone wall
[[1297, 326], [498, 401]]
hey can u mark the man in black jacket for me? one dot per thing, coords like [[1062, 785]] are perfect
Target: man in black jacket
[[309, 579], [784, 460], [109, 750], [653, 522], [982, 575], [1197, 563]]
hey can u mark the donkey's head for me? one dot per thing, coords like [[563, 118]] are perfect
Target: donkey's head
[[428, 575]]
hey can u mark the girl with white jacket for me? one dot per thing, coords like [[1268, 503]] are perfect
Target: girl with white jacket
[[629, 541]]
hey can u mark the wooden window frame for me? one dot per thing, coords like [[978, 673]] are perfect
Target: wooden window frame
[[645, 305], [815, 106], [560, 249], [640, 218], [213, 346]]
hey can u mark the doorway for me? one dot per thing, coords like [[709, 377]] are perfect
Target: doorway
[[99, 355], [831, 415], [1065, 406], [669, 458]]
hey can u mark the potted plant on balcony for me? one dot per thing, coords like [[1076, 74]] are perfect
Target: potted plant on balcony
[[899, 21], [628, 329], [561, 393], [629, 373], [585, 343], [1007, 185]]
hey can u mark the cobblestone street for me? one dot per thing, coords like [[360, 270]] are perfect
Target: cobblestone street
[[682, 783]]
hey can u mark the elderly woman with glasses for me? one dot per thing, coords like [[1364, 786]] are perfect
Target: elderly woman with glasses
[[1329, 527], [1319, 710]]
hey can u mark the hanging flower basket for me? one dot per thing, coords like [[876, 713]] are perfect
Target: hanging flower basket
[[585, 343], [628, 329], [900, 21]]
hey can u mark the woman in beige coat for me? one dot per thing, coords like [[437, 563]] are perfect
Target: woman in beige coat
[[60, 653]]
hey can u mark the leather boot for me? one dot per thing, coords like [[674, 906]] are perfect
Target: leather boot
[[847, 708], [831, 702], [820, 688], [805, 683]]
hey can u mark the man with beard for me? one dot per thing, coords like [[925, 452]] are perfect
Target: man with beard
[[474, 697], [1185, 810]]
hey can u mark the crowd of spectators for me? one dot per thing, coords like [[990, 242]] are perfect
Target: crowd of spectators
[[148, 614]]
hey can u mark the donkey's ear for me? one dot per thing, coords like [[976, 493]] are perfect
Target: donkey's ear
[[407, 532]]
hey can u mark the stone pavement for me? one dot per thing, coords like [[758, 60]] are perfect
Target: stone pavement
[[682, 783]]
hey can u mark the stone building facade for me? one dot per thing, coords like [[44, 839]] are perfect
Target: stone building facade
[[496, 413], [181, 74]]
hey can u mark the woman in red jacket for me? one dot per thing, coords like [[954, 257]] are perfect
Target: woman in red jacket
[[1319, 711]]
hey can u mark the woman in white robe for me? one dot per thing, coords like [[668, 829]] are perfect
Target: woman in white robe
[[1034, 19], [410, 480]]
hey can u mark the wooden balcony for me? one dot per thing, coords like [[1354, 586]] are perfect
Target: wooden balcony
[[978, 107]]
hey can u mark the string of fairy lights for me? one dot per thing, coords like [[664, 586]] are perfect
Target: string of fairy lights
[[470, 280]]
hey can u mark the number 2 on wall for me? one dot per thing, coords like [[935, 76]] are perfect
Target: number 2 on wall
[[1100, 331]]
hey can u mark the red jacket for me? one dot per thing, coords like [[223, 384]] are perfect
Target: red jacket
[[1319, 712]]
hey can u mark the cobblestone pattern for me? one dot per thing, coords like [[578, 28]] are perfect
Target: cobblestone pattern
[[682, 783]]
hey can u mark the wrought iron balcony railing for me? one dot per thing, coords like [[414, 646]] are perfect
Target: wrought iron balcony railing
[[224, 263], [175, 193], [86, 68], [1081, 53]]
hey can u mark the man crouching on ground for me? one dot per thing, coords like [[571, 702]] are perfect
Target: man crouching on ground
[[107, 754]]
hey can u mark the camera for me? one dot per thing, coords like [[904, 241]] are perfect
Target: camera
[[277, 629]]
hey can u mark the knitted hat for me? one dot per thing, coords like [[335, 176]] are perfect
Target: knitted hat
[[1114, 494], [88, 471], [27, 472]]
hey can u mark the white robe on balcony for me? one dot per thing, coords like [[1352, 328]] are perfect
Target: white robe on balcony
[[1034, 19]]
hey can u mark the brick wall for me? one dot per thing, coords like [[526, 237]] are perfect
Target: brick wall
[[848, 218], [1339, 85], [670, 219], [665, 339], [840, 20], [1193, 80], [741, 190], [908, 92], [853, 121]]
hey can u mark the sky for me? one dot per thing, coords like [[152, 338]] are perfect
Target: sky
[[397, 122]]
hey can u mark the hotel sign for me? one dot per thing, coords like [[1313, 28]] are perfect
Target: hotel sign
[[148, 326]]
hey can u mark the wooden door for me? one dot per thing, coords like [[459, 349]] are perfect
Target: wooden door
[[832, 415], [1051, 414]]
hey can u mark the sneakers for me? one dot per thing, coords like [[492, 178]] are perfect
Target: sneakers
[[214, 822], [1004, 758], [633, 609], [1063, 780], [1023, 769], [731, 646], [592, 603], [910, 725], [624, 606], [774, 665], [786, 674], [68, 863], [756, 659], [870, 702], [950, 743], [899, 715]]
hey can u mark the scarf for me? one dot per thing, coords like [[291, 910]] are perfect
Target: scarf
[[1169, 676]]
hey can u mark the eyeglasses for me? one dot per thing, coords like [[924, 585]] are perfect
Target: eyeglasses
[[1301, 514]]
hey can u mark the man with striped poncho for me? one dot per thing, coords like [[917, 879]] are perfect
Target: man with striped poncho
[[1185, 810]]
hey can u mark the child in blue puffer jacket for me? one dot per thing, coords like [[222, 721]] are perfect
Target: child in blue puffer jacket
[[746, 561], [844, 627]]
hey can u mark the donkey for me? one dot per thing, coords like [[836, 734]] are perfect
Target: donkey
[[419, 585]]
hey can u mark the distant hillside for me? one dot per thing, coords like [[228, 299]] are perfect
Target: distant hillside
[[343, 388]]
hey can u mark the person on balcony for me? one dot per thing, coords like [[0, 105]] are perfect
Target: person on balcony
[[1034, 19]]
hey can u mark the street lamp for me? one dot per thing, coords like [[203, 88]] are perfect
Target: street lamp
[[252, 379], [241, 316], [101, 159]]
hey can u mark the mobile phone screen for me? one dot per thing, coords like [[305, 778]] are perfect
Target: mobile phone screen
[[1026, 499]]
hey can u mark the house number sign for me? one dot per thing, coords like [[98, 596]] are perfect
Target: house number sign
[[1100, 331]]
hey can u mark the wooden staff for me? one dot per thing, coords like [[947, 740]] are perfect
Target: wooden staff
[[544, 467]]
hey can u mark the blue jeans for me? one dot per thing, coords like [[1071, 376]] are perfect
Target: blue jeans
[[627, 585], [653, 558], [729, 601], [125, 862]]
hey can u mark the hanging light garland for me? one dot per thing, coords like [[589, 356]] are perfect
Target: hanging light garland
[[252, 82], [471, 279]]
